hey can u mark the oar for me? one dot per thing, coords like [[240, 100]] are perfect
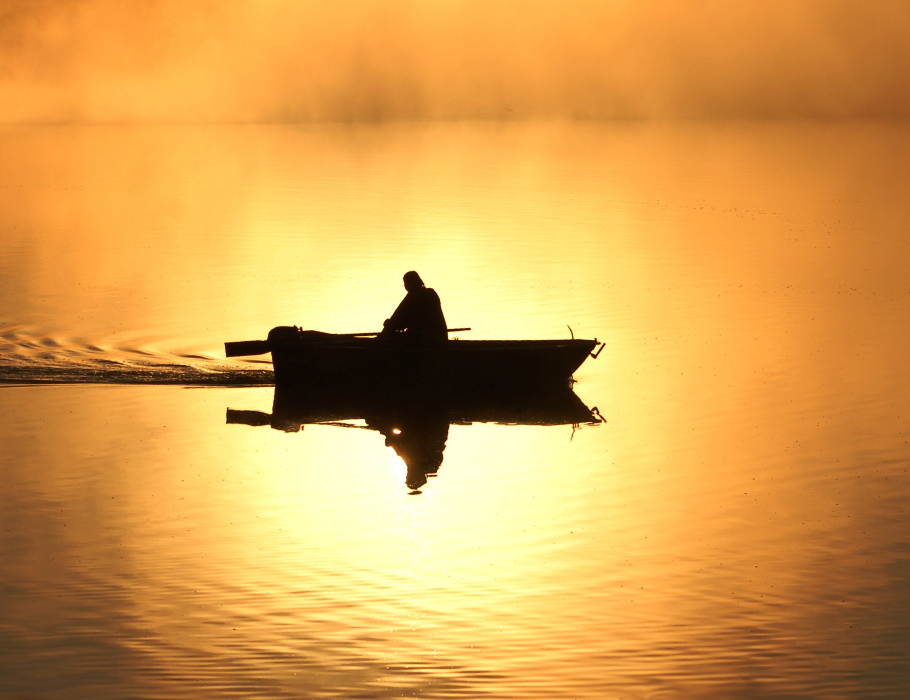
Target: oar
[[260, 347]]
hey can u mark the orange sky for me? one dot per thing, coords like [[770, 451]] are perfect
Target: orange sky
[[366, 60]]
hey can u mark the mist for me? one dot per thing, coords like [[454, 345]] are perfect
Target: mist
[[91, 61]]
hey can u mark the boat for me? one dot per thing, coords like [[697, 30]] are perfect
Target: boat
[[313, 361]]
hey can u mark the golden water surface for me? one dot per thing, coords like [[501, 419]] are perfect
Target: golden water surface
[[737, 527]]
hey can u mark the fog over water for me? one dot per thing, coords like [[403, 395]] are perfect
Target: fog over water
[[281, 61]]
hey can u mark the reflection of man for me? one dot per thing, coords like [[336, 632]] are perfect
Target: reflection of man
[[420, 445], [418, 434], [419, 315]]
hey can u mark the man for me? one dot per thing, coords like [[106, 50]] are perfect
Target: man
[[419, 315]]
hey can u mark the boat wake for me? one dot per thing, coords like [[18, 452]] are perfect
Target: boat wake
[[31, 359]]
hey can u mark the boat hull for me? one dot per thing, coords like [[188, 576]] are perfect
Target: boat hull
[[455, 365]]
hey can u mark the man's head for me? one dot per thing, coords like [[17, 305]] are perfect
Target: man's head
[[412, 281]]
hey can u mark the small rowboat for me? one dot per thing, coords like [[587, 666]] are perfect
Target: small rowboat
[[313, 361]]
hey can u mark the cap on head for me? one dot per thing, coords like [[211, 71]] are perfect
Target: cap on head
[[412, 280]]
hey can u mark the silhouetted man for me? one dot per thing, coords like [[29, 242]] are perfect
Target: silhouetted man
[[419, 315]]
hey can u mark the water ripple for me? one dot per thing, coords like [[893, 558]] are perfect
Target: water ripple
[[26, 359]]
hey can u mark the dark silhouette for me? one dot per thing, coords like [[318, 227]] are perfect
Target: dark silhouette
[[418, 434], [416, 425], [419, 315]]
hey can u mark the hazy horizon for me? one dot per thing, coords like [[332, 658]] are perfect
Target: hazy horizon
[[91, 61]]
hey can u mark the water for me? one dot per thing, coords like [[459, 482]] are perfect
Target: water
[[736, 528]]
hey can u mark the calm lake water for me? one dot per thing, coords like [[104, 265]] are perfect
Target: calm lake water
[[737, 527]]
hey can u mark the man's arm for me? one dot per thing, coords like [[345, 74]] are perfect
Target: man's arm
[[401, 319]]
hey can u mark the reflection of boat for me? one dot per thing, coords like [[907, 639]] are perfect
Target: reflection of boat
[[416, 424], [292, 411], [310, 360]]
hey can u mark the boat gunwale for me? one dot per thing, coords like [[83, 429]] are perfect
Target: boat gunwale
[[450, 344]]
